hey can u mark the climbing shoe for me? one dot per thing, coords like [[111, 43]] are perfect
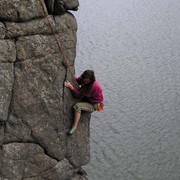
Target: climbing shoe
[[72, 131]]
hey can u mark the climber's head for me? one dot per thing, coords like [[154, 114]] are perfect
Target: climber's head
[[88, 76]]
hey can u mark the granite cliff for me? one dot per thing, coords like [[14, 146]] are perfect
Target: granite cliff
[[35, 107]]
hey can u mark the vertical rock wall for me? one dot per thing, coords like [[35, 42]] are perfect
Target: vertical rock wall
[[35, 108]]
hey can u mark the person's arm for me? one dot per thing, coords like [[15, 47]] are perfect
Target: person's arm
[[69, 85], [75, 92]]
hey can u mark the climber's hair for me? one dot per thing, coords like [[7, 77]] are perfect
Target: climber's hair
[[89, 74]]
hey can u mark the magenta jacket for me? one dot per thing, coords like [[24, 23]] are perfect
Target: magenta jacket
[[93, 96]]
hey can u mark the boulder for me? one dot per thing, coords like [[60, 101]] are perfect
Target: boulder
[[35, 108]]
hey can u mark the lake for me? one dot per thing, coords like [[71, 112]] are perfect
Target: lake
[[134, 48]]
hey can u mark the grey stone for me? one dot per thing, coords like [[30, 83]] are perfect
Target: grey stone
[[6, 81], [71, 4], [41, 45], [17, 130], [35, 26], [2, 31], [7, 51], [1, 133], [23, 160], [66, 22], [64, 169], [18, 10], [35, 108], [60, 6]]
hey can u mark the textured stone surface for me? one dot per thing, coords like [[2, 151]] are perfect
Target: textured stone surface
[[23, 160], [60, 6], [35, 107], [7, 51], [32, 27], [2, 31], [18, 10], [6, 81]]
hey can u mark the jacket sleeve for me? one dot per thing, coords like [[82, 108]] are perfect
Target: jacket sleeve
[[77, 94]]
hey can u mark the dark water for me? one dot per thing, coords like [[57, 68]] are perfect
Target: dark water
[[134, 48]]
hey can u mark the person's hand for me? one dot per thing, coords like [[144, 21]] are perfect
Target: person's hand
[[68, 85]]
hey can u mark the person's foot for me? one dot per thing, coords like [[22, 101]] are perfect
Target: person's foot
[[72, 131]]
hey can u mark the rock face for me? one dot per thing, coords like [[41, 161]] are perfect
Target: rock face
[[35, 107]]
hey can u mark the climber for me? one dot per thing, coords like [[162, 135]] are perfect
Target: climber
[[90, 92]]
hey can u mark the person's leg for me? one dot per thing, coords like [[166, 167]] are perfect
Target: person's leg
[[77, 114]]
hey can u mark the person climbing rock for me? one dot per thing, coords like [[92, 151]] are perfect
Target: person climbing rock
[[90, 92]]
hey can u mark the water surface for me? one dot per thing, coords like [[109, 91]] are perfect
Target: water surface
[[134, 48]]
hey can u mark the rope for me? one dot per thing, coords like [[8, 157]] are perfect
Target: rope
[[58, 43]]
